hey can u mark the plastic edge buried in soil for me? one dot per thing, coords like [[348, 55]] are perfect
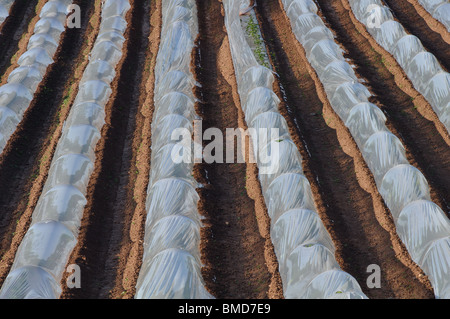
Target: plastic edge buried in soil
[[303, 247], [46, 247], [171, 267], [421, 224]]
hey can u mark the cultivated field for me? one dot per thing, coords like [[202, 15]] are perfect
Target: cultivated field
[[94, 93]]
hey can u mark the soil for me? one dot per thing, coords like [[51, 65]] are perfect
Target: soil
[[432, 23], [236, 248], [409, 115], [344, 190], [12, 29], [106, 251], [25, 161], [414, 23]]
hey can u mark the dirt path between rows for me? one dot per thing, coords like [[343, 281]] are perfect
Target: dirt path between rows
[[12, 29], [236, 248], [26, 159], [109, 236], [344, 191], [410, 117], [391, 85], [432, 23], [21, 40], [414, 23]]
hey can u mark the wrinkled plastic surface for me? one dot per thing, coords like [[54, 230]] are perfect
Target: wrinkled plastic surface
[[304, 249], [421, 224], [30, 282], [5, 5], [171, 274], [439, 9], [171, 267], [422, 68], [17, 93], [46, 247]]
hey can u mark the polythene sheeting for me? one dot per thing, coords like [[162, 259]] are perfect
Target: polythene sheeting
[[5, 5], [171, 274], [439, 9], [303, 246], [171, 261], [421, 224], [30, 282], [44, 41], [23, 81], [421, 67], [43, 254]]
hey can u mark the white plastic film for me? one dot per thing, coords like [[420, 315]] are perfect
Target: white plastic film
[[171, 261], [421, 224], [420, 66], [171, 274], [33, 63], [5, 5], [436, 263], [439, 9], [30, 282], [45, 250], [302, 244], [333, 284], [183, 201], [425, 218]]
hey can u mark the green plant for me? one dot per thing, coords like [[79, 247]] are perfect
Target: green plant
[[253, 30]]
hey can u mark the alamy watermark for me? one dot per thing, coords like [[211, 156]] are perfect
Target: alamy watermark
[[74, 278], [375, 16], [73, 20], [235, 145], [374, 279]]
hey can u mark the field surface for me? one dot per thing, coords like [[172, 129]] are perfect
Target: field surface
[[237, 253]]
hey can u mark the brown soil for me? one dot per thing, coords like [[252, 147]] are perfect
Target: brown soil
[[21, 13], [108, 244], [414, 23], [410, 117], [391, 78], [25, 161], [20, 45], [346, 196], [432, 23], [236, 248], [132, 250]]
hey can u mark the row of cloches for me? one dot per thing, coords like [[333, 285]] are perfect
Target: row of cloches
[[17, 94], [303, 247], [422, 68], [171, 267], [421, 224], [5, 5], [42, 256], [439, 9]]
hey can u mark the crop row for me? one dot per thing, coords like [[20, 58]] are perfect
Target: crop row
[[421, 66], [5, 5], [421, 224], [304, 249], [44, 251], [171, 265], [23, 81], [439, 9]]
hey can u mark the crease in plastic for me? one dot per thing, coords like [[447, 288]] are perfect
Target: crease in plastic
[[302, 244], [171, 267], [42, 256], [420, 223]]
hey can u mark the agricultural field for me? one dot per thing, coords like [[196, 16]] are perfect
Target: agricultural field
[[224, 149]]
